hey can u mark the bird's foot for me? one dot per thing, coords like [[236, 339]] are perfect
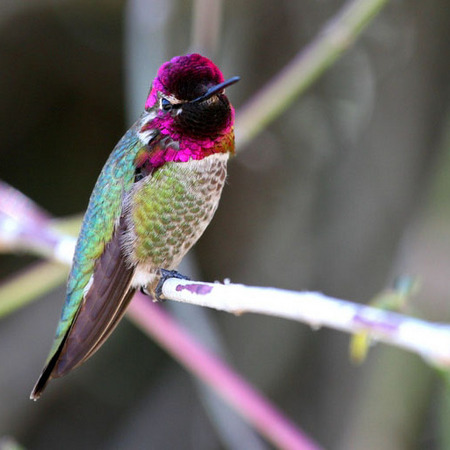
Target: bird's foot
[[144, 291], [165, 275]]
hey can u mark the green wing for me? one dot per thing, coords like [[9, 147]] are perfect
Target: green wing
[[98, 288]]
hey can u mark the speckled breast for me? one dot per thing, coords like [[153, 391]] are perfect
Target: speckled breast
[[170, 210]]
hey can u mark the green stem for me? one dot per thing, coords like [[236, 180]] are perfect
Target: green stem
[[306, 67], [206, 26], [268, 104], [29, 285]]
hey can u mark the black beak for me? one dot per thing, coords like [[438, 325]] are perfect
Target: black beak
[[215, 89]]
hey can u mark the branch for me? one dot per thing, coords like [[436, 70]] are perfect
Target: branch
[[429, 340], [24, 226], [30, 283], [206, 26], [267, 419], [305, 68], [42, 239], [16, 223]]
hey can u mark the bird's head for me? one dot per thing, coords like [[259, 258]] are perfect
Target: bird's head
[[188, 96]]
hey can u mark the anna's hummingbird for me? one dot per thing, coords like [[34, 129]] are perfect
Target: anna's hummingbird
[[155, 196]]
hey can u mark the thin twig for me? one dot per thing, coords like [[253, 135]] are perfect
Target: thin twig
[[206, 26], [429, 340], [267, 105], [231, 387], [306, 67], [266, 418], [30, 283]]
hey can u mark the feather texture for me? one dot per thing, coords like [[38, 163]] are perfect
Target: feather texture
[[97, 246], [103, 306], [155, 196]]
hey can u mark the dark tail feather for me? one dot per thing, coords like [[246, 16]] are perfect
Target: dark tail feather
[[41, 383], [102, 308], [45, 376]]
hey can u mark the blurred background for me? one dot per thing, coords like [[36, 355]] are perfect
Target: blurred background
[[342, 193]]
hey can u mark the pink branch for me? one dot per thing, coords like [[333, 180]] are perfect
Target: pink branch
[[26, 226], [209, 368], [22, 221]]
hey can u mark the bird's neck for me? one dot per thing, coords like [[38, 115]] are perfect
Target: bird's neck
[[163, 144]]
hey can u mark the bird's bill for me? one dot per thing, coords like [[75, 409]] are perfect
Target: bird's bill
[[215, 89]]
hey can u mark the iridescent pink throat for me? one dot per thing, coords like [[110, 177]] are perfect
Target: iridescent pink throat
[[171, 145]]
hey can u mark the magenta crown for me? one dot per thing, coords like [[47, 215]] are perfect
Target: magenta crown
[[195, 127], [184, 77]]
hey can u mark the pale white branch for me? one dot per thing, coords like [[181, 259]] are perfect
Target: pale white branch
[[428, 339]]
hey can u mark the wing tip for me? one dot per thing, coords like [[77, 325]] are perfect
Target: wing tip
[[46, 374], [41, 383]]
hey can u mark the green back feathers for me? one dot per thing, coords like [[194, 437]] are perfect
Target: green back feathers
[[103, 212]]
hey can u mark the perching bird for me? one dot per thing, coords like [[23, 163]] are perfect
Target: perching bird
[[155, 196]]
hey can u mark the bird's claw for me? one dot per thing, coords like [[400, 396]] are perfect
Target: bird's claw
[[165, 275]]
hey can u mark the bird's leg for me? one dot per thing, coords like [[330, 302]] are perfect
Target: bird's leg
[[165, 275], [144, 291]]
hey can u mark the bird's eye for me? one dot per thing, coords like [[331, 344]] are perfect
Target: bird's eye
[[165, 104]]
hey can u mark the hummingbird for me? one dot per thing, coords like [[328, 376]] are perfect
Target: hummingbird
[[156, 194]]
